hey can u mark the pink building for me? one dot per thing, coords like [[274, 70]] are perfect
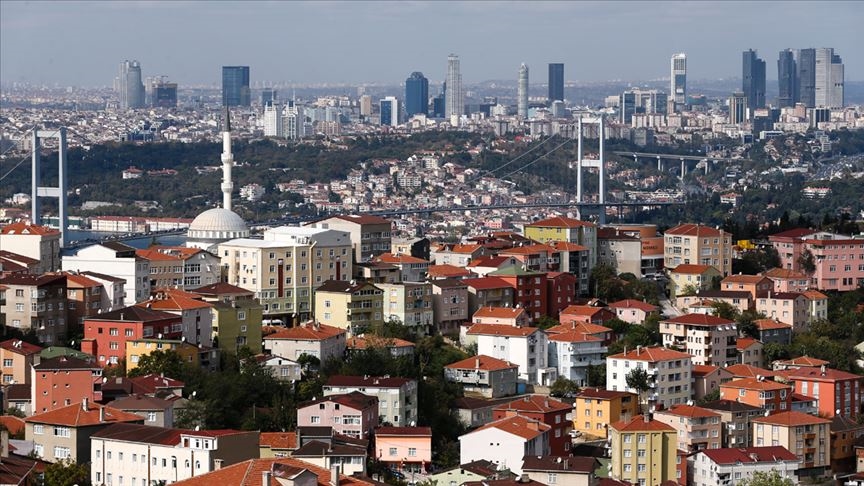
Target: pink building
[[353, 414], [837, 260], [406, 449], [788, 307]]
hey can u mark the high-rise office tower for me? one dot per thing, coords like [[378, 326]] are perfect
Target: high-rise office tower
[[235, 86], [828, 77], [163, 94], [753, 79], [294, 122], [273, 120], [638, 101], [787, 79], [806, 64], [737, 108], [389, 110], [365, 105], [454, 98], [416, 94], [130, 88], [556, 82], [522, 92], [268, 95], [678, 75]]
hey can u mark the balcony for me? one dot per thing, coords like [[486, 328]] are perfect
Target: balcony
[[809, 435]]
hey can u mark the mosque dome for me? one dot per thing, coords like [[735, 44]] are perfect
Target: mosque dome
[[215, 226]]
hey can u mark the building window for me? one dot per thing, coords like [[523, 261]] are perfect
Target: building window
[[151, 416], [38, 429], [412, 451], [392, 451], [62, 432]]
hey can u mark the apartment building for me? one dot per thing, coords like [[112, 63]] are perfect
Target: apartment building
[[505, 442], [411, 269], [37, 303], [409, 303], [370, 235], [353, 414], [105, 335], [789, 307], [806, 436], [405, 449], [769, 395], [669, 373], [595, 408], [313, 339], [195, 314], [788, 280], [559, 228], [179, 267], [735, 417], [831, 261], [449, 304], [351, 305], [643, 451], [838, 393], [524, 346], [488, 292], [61, 381], [484, 376], [555, 414], [397, 397], [573, 353], [693, 277], [575, 260], [699, 245], [85, 298], [40, 243], [118, 260], [17, 357], [734, 465], [236, 316], [755, 285], [707, 380], [697, 428], [529, 289], [285, 267], [711, 340]]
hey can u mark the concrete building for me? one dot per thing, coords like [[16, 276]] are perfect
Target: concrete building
[[353, 414], [312, 339], [687, 277], [126, 453], [697, 428], [595, 408], [838, 393], [370, 235], [351, 305], [449, 304], [669, 374], [643, 449], [484, 376], [17, 357], [573, 353], [33, 241], [524, 346], [505, 442], [105, 335], [397, 397], [709, 339], [62, 381], [37, 303], [733, 465], [195, 314], [156, 411], [179, 267], [825, 251], [566, 230], [409, 303], [707, 380], [633, 311], [806, 436], [118, 260], [236, 316], [561, 471], [735, 417], [285, 267], [788, 307], [769, 395], [555, 414], [698, 244], [405, 449]]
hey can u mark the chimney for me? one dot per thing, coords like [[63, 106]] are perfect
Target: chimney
[[334, 474], [265, 478], [84, 404], [646, 418], [217, 464], [101, 414], [822, 370], [477, 363]]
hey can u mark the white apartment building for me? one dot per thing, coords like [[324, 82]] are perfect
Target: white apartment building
[[526, 347], [733, 465], [397, 397], [571, 353], [117, 260], [711, 340], [669, 374]]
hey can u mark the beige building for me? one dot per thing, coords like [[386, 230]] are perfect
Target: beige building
[[449, 304], [711, 340], [354, 306], [318, 340], [17, 357], [37, 303], [691, 277], [787, 307], [409, 303], [697, 428], [698, 245], [180, 267], [370, 235], [806, 436], [38, 242], [735, 417], [561, 471], [286, 266], [643, 451]]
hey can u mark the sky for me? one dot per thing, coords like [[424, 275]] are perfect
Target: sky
[[82, 43]]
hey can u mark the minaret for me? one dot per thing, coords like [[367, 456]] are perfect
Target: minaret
[[227, 161], [522, 94]]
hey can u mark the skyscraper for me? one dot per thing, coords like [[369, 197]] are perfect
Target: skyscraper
[[522, 93], [130, 87], [268, 95], [235, 86], [556, 82], [787, 79], [163, 94], [806, 64], [737, 108], [678, 76], [416, 94], [454, 98], [389, 108], [273, 120], [828, 77], [753, 79]]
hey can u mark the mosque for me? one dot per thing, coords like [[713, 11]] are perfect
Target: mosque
[[217, 225]]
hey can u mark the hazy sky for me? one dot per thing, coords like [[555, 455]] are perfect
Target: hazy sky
[[82, 43]]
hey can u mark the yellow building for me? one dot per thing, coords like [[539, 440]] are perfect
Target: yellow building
[[596, 408], [284, 268], [571, 230], [355, 306], [698, 245], [697, 277], [137, 348], [644, 451]]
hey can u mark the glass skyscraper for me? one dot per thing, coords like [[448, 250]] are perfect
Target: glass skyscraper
[[556, 82], [454, 97], [753, 79], [235, 86], [678, 88], [787, 79], [806, 75], [416, 94], [130, 88]]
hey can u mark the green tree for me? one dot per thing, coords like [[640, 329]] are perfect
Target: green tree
[[545, 322], [725, 310], [637, 379], [166, 362], [772, 478], [562, 387], [807, 262], [597, 375], [67, 473]]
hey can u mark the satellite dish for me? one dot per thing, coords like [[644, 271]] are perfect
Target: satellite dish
[[194, 393]]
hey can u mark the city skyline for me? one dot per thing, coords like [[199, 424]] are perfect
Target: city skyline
[[191, 52]]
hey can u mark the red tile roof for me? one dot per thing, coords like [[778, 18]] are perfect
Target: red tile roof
[[734, 455], [499, 312], [747, 371], [534, 403], [517, 425], [804, 361], [698, 230], [793, 233], [816, 374], [691, 269], [791, 419], [75, 416], [702, 370], [785, 274], [603, 394], [364, 341], [482, 362], [560, 222], [501, 330], [487, 283], [581, 327], [743, 343], [446, 270], [582, 310], [743, 279], [755, 384], [278, 440], [771, 324], [399, 259], [633, 304], [651, 354], [700, 320], [13, 424], [22, 228], [20, 347], [174, 302], [689, 411], [308, 332], [573, 337], [404, 431], [638, 424], [248, 473]]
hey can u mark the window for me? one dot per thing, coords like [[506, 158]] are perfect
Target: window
[[39, 449], [61, 452], [316, 419], [151, 416], [38, 429], [62, 432], [412, 451], [392, 451], [551, 478]]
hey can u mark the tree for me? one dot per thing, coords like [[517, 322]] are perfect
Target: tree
[[166, 362], [562, 387], [760, 478], [807, 262], [67, 473], [725, 310], [637, 379]]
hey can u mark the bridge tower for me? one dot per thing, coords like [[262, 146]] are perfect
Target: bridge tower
[[600, 163], [59, 192]]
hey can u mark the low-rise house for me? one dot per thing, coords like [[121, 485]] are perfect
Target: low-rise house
[[353, 414], [586, 314], [733, 465], [394, 346], [633, 311], [473, 412], [688, 278], [17, 357], [749, 351], [505, 442], [755, 285], [348, 457], [774, 331], [546, 410], [561, 470], [405, 449], [156, 411], [277, 444], [479, 470], [705, 301], [312, 339], [397, 397], [735, 417], [64, 433], [484, 376], [269, 471], [595, 408], [845, 433], [18, 397], [126, 453], [697, 428], [507, 316], [707, 380], [806, 436], [283, 369]]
